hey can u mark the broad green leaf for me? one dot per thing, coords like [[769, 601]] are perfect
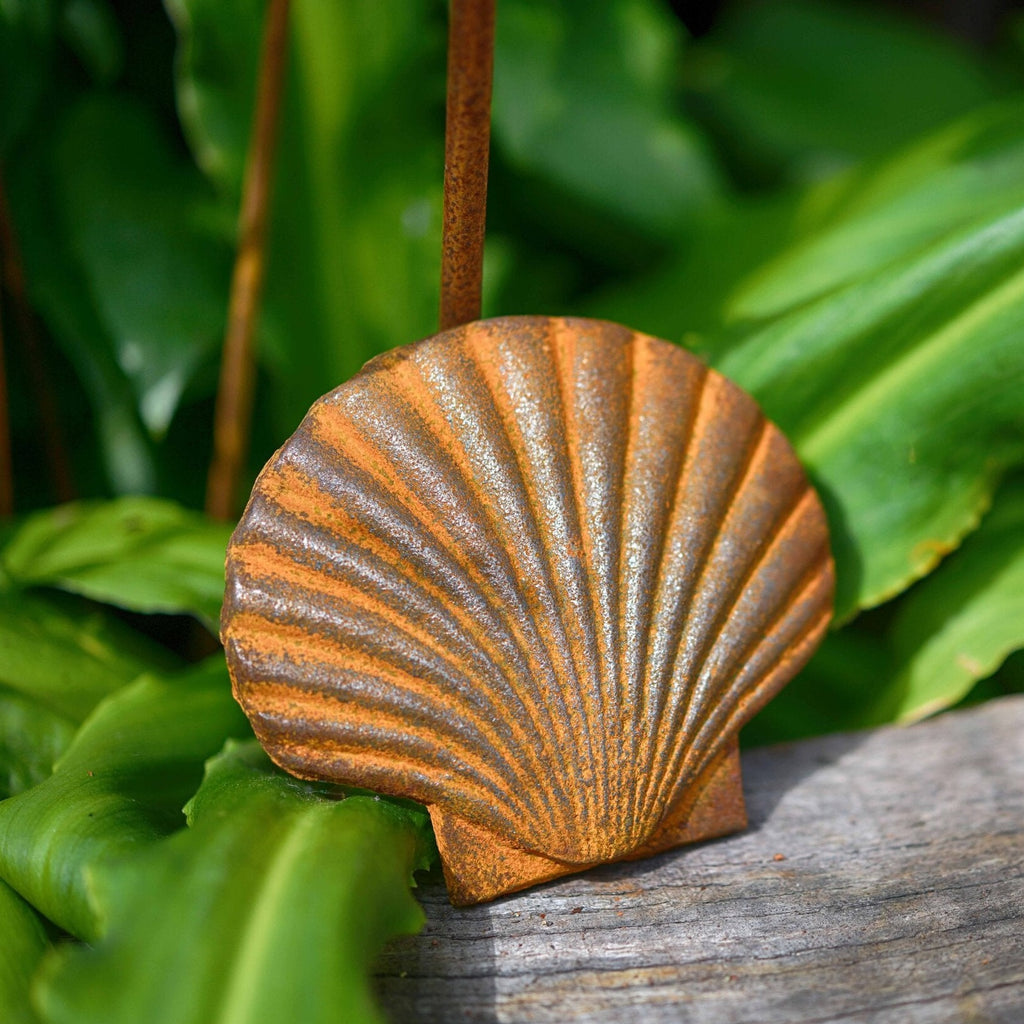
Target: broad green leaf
[[32, 738], [271, 907], [145, 554], [583, 98], [24, 941], [66, 656], [902, 393], [958, 626], [354, 251], [868, 219], [120, 786], [751, 260], [137, 219], [805, 87]]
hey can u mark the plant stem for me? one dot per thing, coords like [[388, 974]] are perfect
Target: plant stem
[[467, 141], [233, 414], [39, 379]]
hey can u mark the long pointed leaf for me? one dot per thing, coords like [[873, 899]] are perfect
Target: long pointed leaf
[[120, 786], [902, 394], [861, 222], [271, 907], [959, 625]]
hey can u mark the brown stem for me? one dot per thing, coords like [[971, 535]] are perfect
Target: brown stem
[[467, 140], [28, 334], [233, 414]]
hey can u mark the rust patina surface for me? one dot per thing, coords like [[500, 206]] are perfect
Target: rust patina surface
[[466, 157], [535, 573]]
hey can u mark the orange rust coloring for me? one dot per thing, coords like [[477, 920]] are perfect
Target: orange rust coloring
[[535, 573], [466, 158]]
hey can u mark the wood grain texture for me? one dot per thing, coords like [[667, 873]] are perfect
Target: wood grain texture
[[881, 881]]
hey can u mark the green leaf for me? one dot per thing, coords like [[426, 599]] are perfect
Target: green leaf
[[354, 252], [883, 341], [24, 942], [215, 81], [806, 87], [60, 291], [753, 260], [861, 222], [144, 554], [583, 97], [91, 30], [119, 787], [271, 907], [901, 392], [137, 217], [66, 656], [26, 55], [958, 626], [32, 738]]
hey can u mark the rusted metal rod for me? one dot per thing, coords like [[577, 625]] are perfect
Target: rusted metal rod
[[233, 415], [467, 141]]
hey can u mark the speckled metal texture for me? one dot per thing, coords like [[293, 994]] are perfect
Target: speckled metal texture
[[534, 573]]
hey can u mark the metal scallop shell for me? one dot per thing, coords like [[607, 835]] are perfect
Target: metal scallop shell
[[534, 573]]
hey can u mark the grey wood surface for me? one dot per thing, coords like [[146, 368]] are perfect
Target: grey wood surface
[[881, 880]]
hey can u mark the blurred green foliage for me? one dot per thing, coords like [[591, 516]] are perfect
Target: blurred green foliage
[[824, 200], [795, 91]]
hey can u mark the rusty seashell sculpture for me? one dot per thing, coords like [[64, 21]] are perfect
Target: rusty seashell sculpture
[[534, 573]]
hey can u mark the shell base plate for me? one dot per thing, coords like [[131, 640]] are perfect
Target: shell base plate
[[480, 866]]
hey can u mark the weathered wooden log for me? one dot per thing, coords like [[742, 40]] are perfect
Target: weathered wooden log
[[881, 880]]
